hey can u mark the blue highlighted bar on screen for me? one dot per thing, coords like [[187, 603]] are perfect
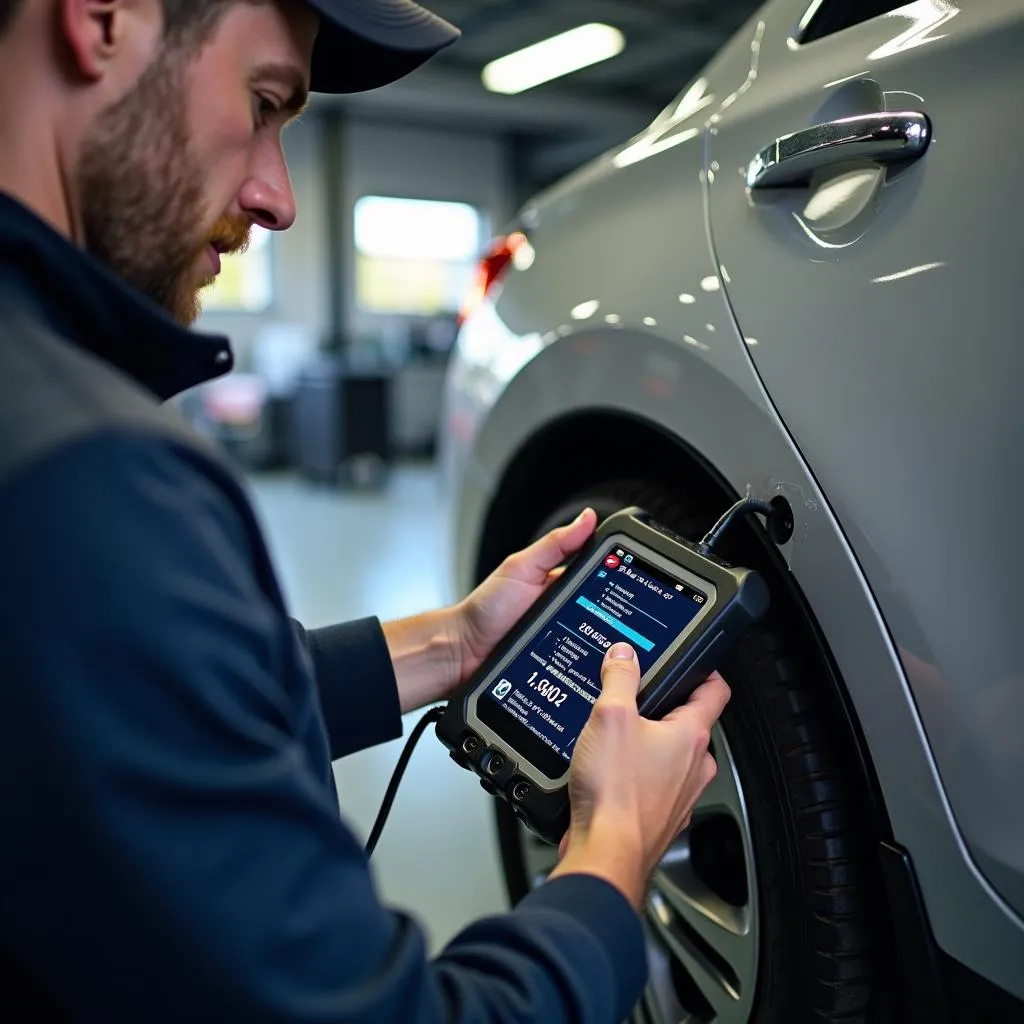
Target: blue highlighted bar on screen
[[631, 634]]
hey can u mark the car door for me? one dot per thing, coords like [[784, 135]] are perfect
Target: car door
[[881, 303]]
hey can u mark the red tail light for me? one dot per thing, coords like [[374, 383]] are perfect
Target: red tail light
[[492, 266]]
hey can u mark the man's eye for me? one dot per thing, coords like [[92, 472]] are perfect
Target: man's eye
[[266, 108]]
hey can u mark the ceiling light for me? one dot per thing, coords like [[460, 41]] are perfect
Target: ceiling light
[[552, 58]]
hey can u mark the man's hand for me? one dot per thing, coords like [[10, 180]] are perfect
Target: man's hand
[[635, 782], [487, 614], [433, 653]]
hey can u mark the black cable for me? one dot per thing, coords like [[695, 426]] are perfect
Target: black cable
[[433, 715], [712, 537]]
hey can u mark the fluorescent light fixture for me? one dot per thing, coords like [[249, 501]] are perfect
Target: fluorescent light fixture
[[553, 58]]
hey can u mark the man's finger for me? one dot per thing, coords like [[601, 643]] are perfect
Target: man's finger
[[532, 564], [706, 703], [620, 675]]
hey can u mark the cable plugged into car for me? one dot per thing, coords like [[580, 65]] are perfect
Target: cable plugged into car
[[778, 517]]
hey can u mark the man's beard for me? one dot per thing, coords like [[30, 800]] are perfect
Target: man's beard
[[140, 190]]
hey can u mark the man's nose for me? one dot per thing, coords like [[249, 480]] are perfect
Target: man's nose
[[267, 195]]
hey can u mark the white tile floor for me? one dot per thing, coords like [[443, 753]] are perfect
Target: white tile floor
[[339, 556]]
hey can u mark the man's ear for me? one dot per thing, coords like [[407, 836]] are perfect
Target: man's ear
[[97, 32]]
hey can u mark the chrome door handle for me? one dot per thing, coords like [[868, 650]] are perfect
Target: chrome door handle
[[882, 138]]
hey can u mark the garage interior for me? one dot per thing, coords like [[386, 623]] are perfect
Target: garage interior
[[345, 329], [357, 515]]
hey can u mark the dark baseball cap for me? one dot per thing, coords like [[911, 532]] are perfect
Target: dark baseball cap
[[364, 44]]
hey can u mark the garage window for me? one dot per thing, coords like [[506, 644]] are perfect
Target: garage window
[[246, 281], [415, 256]]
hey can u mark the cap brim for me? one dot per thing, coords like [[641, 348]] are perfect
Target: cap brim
[[364, 44]]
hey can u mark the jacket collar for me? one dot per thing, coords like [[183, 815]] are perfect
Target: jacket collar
[[91, 307]]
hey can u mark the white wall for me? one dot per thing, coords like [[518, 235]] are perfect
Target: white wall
[[377, 159]]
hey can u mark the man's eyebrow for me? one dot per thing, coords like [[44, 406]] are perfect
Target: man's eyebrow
[[291, 78]]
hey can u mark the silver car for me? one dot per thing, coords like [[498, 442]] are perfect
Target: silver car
[[802, 279]]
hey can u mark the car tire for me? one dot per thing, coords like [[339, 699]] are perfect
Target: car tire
[[807, 866]]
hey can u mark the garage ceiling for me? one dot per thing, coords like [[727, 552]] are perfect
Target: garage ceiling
[[564, 123]]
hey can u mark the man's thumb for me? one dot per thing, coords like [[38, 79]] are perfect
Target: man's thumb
[[620, 673]]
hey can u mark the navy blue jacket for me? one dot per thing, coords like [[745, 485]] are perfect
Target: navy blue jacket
[[170, 842]]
